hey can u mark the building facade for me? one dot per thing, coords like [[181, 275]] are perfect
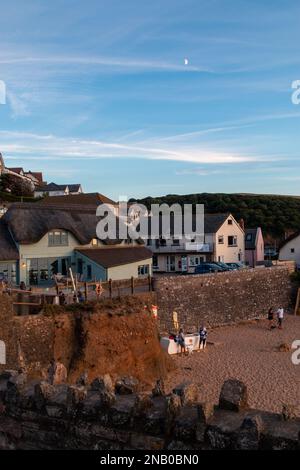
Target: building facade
[[223, 241], [254, 247], [39, 241], [290, 249]]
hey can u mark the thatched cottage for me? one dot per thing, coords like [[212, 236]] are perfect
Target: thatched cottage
[[38, 241]]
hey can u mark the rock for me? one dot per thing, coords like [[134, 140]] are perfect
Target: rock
[[159, 388], [233, 396], [289, 412], [173, 405], [83, 379], [126, 385], [43, 391], [14, 386], [187, 392], [250, 432], [205, 411], [57, 373], [102, 383], [186, 424], [143, 403], [105, 387], [75, 396]]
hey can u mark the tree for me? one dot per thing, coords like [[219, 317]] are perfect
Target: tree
[[15, 185]]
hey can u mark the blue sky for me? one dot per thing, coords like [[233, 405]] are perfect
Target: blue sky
[[98, 92]]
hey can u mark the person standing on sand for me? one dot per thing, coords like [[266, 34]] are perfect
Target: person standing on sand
[[181, 340], [280, 315], [203, 337], [271, 318]]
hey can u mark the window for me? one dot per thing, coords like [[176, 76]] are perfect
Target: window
[[220, 239], [175, 241], [194, 261], [292, 250], [94, 241], [162, 242], [249, 237], [143, 270], [155, 261], [229, 221], [149, 242], [89, 271], [58, 238], [232, 240]]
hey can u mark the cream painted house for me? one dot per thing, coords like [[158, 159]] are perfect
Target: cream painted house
[[38, 241], [223, 241], [290, 249]]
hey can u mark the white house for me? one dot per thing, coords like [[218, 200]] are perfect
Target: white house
[[290, 249]]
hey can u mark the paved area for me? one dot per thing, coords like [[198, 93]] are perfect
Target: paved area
[[248, 352]]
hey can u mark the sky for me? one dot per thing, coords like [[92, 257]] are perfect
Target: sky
[[140, 98]]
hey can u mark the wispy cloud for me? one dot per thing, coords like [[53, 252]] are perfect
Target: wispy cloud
[[30, 146]]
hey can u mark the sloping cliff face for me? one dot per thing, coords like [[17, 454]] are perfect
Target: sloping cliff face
[[118, 337]]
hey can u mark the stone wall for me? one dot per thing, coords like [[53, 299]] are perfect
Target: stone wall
[[107, 416], [223, 298]]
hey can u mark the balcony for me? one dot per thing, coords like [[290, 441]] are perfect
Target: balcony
[[182, 248]]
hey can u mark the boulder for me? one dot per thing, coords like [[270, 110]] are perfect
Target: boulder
[[126, 386], [250, 432], [43, 392], [233, 396], [159, 388], [187, 392], [57, 373], [104, 386], [289, 412]]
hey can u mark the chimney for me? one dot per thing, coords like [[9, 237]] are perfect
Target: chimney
[[242, 224]]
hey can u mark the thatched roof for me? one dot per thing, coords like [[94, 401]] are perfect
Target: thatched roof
[[8, 249], [110, 257], [29, 222]]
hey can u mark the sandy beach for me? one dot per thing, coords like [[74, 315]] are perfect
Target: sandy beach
[[248, 352]]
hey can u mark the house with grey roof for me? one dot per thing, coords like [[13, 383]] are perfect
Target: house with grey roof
[[222, 240], [53, 189], [38, 241]]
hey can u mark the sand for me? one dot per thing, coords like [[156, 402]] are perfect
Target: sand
[[248, 352]]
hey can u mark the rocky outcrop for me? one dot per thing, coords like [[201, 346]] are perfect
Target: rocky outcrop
[[47, 416]]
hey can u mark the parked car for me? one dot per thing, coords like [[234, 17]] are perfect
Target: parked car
[[236, 265], [205, 268], [223, 266]]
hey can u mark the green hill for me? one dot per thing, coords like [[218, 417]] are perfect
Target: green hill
[[276, 215]]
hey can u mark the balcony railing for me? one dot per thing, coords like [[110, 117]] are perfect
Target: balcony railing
[[195, 247]]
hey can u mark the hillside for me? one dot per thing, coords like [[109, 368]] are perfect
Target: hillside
[[276, 215]]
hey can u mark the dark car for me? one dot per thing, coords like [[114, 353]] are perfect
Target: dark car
[[205, 268], [223, 266], [236, 265]]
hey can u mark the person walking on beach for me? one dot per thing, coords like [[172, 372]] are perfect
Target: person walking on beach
[[271, 318], [280, 315], [203, 337], [181, 340]]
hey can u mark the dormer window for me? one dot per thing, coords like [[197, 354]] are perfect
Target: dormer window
[[229, 221], [58, 238]]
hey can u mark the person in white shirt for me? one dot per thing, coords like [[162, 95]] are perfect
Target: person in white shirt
[[280, 314]]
